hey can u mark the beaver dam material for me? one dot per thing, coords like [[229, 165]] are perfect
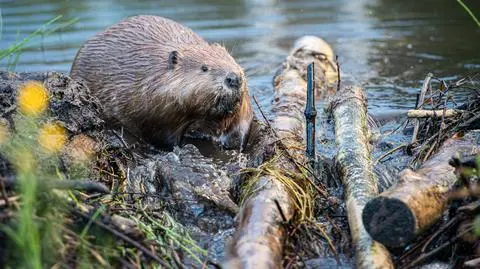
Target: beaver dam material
[[97, 199]]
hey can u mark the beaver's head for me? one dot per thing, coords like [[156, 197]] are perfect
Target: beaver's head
[[213, 90]]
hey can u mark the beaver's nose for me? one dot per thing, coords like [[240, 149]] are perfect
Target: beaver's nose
[[232, 81]]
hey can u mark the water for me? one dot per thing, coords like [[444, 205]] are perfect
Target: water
[[387, 46]]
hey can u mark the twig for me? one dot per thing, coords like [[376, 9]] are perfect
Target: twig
[[421, 99], [4, 192], [473, 263], [123, 237], [442, 126], [428, 255], [424, 113], [265, 117], [338, 73], [81, 185], [439, 231], [120, 137], [11, 199], [388, 153], [280, 210]]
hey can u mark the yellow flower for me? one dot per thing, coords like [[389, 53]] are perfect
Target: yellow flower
[[52, 137], [32, 98]]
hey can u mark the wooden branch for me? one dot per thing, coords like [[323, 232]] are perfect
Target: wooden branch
[[420, 101], [417, 200], [422, 113], [355, 166], [260, 232], [85, 185]]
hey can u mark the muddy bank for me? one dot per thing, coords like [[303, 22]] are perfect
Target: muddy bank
[[193, 189]]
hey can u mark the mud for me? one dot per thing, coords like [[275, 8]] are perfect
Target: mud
[[193, 189]]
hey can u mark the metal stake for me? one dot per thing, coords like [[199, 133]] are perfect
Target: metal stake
[[310, 114]]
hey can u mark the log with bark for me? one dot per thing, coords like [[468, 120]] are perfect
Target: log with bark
[[279, 188], [355, 166], [418, 199]]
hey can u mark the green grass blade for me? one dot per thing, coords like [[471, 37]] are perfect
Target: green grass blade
[[90, 221], [18, 46], [470, 12]]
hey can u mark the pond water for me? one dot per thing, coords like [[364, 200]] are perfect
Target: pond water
[[387, 46]]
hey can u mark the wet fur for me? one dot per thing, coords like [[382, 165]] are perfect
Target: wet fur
[[148, 72]]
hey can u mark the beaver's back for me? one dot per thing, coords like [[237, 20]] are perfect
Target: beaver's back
[[135, 43], [128, 58]]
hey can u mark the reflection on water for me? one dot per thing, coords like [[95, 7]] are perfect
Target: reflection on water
[[386, 45]]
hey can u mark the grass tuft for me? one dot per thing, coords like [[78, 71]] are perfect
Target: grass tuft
[[297, 186]]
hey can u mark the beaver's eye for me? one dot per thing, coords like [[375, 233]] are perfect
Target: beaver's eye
[[204, 68]]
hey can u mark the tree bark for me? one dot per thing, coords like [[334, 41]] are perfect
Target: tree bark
[[355, 165]]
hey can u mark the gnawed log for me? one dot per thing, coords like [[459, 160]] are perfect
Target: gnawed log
[[418, 199], [424, 113], [355, 165], [279, 189]]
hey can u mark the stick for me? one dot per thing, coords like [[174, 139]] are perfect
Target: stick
[[422, 113], [421, 100], [4, 192], [67, 184]]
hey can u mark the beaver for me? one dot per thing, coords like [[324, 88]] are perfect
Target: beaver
[[161, 80]]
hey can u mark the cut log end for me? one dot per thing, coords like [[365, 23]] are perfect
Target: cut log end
[[392, 230]]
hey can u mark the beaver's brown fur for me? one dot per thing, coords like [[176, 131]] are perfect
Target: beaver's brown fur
[[160, 79]]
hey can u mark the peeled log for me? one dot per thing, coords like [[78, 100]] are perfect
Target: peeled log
[[259, 236], [417, 200], [423, 113], [355, 165]]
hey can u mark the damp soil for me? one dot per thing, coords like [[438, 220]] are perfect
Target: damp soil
[[192, 188]]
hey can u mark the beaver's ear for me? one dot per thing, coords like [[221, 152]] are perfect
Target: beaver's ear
[[172, 59], [216, 44]]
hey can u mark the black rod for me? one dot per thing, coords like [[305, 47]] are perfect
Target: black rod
[[310, 114]]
